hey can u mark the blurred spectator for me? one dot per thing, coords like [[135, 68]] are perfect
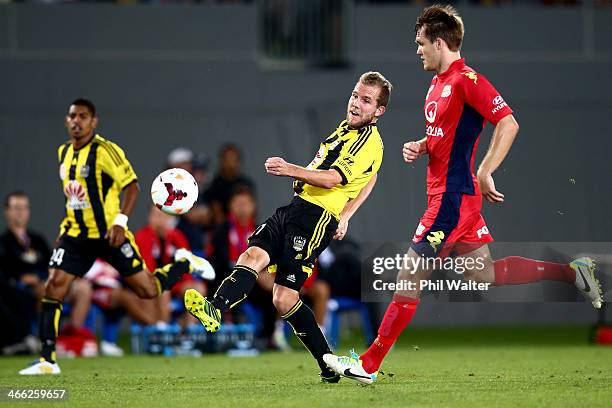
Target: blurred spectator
[[115, 300], [195, 223], [229, 240], [24, 254], [229, 177], [157, 242], [17, 314]]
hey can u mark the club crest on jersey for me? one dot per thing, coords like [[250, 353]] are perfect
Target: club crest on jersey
[[126, 250], [471, 75], [430, 111], [446, 91], [84, 171], [299, 243]]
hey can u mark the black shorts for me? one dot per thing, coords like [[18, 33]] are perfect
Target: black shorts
[[294, 237], [77, 255]]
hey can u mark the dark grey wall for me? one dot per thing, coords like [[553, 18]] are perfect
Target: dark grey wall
[[167, 75]]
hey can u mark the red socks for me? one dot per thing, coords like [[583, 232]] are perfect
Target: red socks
[[515, 270], [398, 315]]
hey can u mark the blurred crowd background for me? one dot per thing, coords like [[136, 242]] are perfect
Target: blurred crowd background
[[219, 87]]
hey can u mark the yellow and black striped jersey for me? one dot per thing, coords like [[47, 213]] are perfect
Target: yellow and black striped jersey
[[92, 178], [356, 154]]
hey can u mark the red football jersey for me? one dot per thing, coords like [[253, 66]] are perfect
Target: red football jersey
[[458, 103], [151, 250]]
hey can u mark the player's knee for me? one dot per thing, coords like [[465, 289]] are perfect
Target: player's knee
[[284, 300], [255, 258], [146, 291], [57, 285]]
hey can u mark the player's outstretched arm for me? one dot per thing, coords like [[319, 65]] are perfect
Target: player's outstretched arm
[[277, 166], [116, 233], [413, 150], [351, 208], [503, 137]]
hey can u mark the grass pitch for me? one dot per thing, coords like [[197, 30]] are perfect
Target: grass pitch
[[544, 367]]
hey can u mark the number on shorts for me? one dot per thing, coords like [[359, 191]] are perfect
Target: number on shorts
[[57, 256]]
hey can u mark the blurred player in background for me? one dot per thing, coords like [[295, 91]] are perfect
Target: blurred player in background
[[229, 176], [158, 241], [327, 194], [457, 106], [94, 172]]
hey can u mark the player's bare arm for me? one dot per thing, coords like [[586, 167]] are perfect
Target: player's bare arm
[[277, 166], [116, 233], [413, 150], [351, 208], [503, 137]]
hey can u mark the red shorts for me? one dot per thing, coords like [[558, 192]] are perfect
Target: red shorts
[[452, 225]]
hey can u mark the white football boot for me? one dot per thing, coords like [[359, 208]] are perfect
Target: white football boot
[[200, 266], [41, 367], [586, 282], [349, 367], [109, 349]]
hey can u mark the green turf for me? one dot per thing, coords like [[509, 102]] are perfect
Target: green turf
[[551, 367]]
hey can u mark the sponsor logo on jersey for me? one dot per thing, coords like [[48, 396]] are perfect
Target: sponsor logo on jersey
[[499, 103], [76, 196], [299, 243], [346, 165], [446, 91], [482, 231], [471, 75], [434, 131], [430, 111], [291, 278]]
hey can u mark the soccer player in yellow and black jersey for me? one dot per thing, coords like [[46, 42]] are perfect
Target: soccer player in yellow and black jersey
[[327, 193], [94, 172]]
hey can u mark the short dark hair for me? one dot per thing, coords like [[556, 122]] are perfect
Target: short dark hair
[[242, 189], [16, 193], [441, 21], [87, 103], [228, 147]]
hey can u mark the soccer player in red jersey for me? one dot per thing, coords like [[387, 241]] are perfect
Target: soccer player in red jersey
[[458, 104]]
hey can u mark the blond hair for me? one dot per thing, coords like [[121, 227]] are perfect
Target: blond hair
[[374, 78]]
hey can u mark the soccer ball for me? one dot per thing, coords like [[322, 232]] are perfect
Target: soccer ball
[[174, 191]]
